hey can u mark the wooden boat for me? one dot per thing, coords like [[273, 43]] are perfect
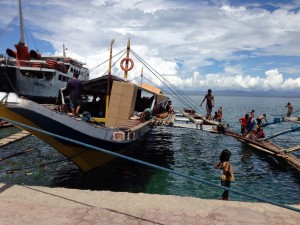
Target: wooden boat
[[182, 121], [115, 131], [265, 145], [4, 124], [192, 115], [43, 75]]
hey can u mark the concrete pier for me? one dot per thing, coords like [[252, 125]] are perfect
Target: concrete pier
[[42, 206]]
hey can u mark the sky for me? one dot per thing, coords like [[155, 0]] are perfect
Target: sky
[[246, 45]]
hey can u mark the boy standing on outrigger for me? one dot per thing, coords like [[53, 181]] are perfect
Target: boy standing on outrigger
[[290, 109], [209, 103]]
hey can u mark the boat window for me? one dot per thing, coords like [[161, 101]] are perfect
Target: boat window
[[144, 100], [67, 67], [48, 76], [71, 69], [30, 73], [60, 77]]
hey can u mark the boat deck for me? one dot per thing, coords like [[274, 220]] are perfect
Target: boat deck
[[126, 125], [129, 124]]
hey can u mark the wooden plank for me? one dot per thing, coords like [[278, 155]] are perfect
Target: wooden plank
[[13, 138], [129, 124], [295, 148]]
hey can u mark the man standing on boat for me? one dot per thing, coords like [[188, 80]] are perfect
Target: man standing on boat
[[209, 103], [74, 87]]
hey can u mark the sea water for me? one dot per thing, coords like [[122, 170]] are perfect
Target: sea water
[[187, 151]]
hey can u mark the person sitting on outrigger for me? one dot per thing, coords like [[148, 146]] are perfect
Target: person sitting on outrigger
[[260, 118], [220, 114], [215, 118], [209, 102], [260, 133]]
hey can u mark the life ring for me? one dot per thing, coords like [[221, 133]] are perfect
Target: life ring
[[131, 64]]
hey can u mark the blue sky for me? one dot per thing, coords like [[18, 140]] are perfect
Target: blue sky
[[218, 44]]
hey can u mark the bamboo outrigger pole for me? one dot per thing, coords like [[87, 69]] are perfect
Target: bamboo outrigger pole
[[292, 149], [108, 78], [280, 133]]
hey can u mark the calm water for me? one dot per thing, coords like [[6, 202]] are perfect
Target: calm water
[[187, 151]]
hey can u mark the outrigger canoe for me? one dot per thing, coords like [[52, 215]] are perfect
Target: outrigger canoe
[[265, 145]]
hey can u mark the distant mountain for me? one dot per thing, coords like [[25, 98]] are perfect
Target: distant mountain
[[254, 93]]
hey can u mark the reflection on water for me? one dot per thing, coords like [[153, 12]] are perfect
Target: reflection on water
[[120, 174], [186, 151]]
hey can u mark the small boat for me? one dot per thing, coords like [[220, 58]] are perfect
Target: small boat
[[290, 119], [120, 116], [35, 76], [198, 119], [4, 124]]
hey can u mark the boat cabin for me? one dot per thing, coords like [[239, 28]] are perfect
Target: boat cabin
[[125, 100]]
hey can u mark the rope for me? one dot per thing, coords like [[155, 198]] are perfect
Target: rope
[[154, 166], [10, 171], [8, 25], [181, 97], [16, 154], [121, 52]]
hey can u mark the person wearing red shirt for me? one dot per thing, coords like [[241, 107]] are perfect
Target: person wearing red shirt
[[243, 122]]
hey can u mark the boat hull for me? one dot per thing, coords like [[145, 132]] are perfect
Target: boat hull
[[34, 115]]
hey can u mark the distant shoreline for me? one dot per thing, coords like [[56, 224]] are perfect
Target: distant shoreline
[[271, 94]]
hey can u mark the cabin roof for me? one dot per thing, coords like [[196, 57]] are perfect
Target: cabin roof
[[151, 88], [99, 85]]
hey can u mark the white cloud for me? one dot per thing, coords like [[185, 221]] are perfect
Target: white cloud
[[200, 44]]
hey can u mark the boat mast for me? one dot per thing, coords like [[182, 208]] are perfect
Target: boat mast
[[22, 38], [142, 76], [22, 55], [108, 78], [64, 50], [127, 56]]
